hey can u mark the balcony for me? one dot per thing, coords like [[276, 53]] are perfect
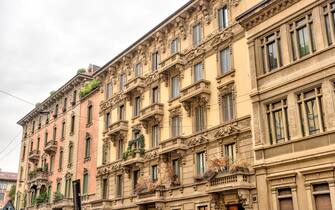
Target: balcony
[[176, 144], [134, 154], [134, 85], [153, 112], [153, 196], [38, 177], [61, 203], [228, 181], [198, 91], [34, 156], [118, 129], [175, 61], [51, 147]]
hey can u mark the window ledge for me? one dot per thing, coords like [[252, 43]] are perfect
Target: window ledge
[[173, 99], [230, 73]]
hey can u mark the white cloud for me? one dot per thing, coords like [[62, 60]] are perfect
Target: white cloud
[[43, 43]]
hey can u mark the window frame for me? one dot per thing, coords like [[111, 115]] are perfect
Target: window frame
[[264, 43], [223, 17], [328, 20]]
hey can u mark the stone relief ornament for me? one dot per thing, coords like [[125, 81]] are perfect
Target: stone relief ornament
[[151, 155], [227, 130], [197, 140]]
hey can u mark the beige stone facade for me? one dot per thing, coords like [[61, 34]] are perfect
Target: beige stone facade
[[225, 105], [291, 55]]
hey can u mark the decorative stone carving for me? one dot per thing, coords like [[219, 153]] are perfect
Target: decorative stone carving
[[181, 25], [151, 155], [199, 51], [160, 38], [197, 140], [152, 77], [204, 8], [227, 130]]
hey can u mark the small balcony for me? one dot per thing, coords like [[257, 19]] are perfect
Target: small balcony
[[155, 195], [51, 147], [171, 145], [228, 181], [134, 153], [38, 176], [62, 202], [175, 61], [34, 156], [118, 129], [134, 85], [153, 112]]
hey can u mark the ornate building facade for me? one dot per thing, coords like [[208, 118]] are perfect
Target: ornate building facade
[[175, 116], [291, 51], [50, 144]]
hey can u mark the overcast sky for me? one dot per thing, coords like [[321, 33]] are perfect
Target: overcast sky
[[44, 42]]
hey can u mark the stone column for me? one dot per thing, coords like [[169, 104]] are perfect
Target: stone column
[[309, 196], [332, 193], [274, 199], [294, 198]]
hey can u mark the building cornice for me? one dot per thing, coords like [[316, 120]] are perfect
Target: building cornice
[[67, 87], [263, 11]]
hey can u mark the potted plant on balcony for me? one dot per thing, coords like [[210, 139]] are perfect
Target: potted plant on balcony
[[171, 177], [145, 184], [58, 196], [42, 198], [240, 165], [219, 164], [209, 174]]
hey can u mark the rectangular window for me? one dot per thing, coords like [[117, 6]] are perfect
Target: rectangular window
[[174, 46], [200, 163], [56, 111], [73, 119], [196, 34], [155, 136], [85, 184], [70, 154], [175, 86], [154, 173], [302, 37], [230, 152], [278, 121], [197, 72], [202, 208], [74, 97], [65, 105], [122, 81], [87, 148], [137, 106], [199, 118], [175, 126], [60, 161], [225, 60], [311, 112], [228, 107], [104, 189], [135, 179], [155, 95], [119, 185], [329, 20], [122, 112], [52, 162], [176, 170], [285, 199], [120, 148], [138, 70], [109, 90], [271, 54], [38, 143], [89, 114], [107, 120], [223, 17], [54, 134], [63, 130], [321, 196], [154, 61]]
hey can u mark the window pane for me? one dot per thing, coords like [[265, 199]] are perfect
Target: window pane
[[138, 70], [175, 123], [199, 119], [228, 107], [223, 18], [322, 202], [303, 45], [225, 60], [278, 125], [155, 135], [155, 95], [197, 72], [286, 204], [272, 55], [200, 163], [312, 116], [174, 46], [196, 35], [154, 61], [328, 30], [137, 106], [175, 86]]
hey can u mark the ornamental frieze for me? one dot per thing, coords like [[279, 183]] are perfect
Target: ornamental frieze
[[227, 130], [197, 140], [109, 168], [151, 155]]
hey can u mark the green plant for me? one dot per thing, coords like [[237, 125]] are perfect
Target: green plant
[[52, 92], [58, 195], [131, 151], [81, 71], [12, 193], [42, 198], [89, 87]]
